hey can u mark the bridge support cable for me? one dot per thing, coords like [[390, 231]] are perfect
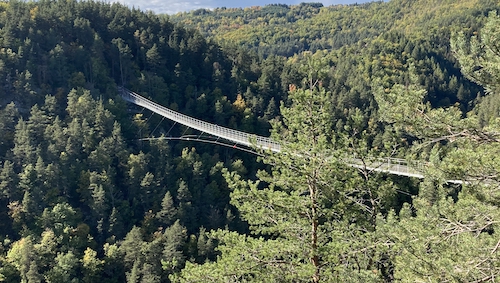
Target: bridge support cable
[[235, 136], [175, 122], [187, 128], [215, 142], [162, 118], [392, 166], [200, 135]]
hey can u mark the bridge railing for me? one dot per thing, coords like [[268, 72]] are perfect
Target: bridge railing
[[216, 130], [389, 165]]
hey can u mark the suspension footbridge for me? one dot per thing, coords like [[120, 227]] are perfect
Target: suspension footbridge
[[393, 166]]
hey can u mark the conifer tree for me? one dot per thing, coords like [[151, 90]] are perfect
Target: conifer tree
[[450, 232], [305, 220], [168, 212]]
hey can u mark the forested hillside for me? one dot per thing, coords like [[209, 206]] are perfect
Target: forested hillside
[[380, 37], [288, 29], [95, 190]]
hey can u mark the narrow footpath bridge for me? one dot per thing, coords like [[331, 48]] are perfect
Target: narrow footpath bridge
[[393, 166]]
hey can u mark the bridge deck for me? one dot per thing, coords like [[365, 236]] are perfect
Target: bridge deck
[[393, 166], [235, 136]]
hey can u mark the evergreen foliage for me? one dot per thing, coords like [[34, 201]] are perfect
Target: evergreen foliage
[[88, 194]]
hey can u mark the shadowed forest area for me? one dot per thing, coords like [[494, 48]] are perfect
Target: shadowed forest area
[[93, 189]]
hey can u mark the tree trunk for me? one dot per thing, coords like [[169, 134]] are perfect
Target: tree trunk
[[314, 232]]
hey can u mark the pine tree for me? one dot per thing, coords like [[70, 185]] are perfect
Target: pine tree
[[116, 224], [24, 149], [8, 120], [131, 246], [8, 181], [306, 221], [173, 257], [479, 55], [99, 206], [168, 211], [449, 233]]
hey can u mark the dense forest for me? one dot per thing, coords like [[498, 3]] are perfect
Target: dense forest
[[95, 190]]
